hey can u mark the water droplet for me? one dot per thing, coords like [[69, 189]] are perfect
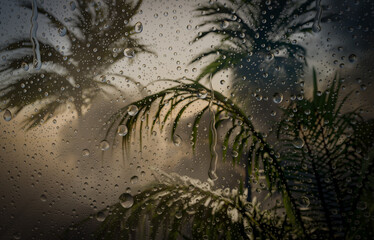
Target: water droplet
[[189, 27], [269, 56], [100, 216], [277, 98], [177, 140], [85, 153], [235, 154], [316, 27], [222, 82], [361, 205], [132, 110], [352, 58], [138, 28], [25, 66], [225, 24], [104, 145], [7, 115], [126, 200], [202, 94], [178, 215], [73, 6], [304, 202], [122, 130], [134, 179], [129, 52], [298, 143], [62, 31], [43, 198]]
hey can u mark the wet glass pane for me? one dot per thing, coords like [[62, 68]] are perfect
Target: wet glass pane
[[173, 119]]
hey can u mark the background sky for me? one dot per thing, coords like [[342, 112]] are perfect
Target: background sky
[[48, 160]]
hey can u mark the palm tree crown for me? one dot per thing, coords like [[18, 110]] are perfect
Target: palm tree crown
[[99, 35], [258, 41]]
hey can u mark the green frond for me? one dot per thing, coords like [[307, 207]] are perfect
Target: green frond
[[184, 207]]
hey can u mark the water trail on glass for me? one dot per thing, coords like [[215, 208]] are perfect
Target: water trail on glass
[[37, 62], [213, 136], [317, 19]]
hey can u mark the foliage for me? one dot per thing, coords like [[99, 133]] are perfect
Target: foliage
[[319, 163], [258, 41], [96, 37], [179, 206]]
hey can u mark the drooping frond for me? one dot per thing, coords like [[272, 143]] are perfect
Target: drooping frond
[[241, 136], [180, 207], [325, 155]]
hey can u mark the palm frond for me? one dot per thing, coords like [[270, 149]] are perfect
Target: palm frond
[[180, 207], [325, 153]]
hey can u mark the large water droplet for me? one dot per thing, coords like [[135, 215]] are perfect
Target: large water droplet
[[304, 202], [7, 115], [177, 140], [202, 94], [126, 200], [43, 198], [138, 28], [104, 145], [132, 110], [122, 130], [62, 31], [134, 179], [129, 52], [352, 58], [298, 143], [277, 98], [25, 66], [85, 153], [225, 24], [100, 216], [73, 6]]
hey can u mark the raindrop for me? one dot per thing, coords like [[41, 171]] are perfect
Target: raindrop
[[73, 6], [134, 179], [316, 27], [100, 216], [122, 130], [178, 215], [138, 28], [7, 115], [298, 143], [202, 94], [43, 198], [361, 205], [277, 98], [177, 140], [222, 82], [85, 153], [304, 202], [235, 154], [25, 66], [132, 110], [126, 200], [104, 145], [129, 52], [352, 58], [225, 24], [62, 31]]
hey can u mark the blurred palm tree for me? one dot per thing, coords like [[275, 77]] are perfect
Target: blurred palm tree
[[98, 36], [320, 163], [259, 42]]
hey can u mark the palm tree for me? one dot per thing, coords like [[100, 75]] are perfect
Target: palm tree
[[98, 35], [259, 41], [320, 163]]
